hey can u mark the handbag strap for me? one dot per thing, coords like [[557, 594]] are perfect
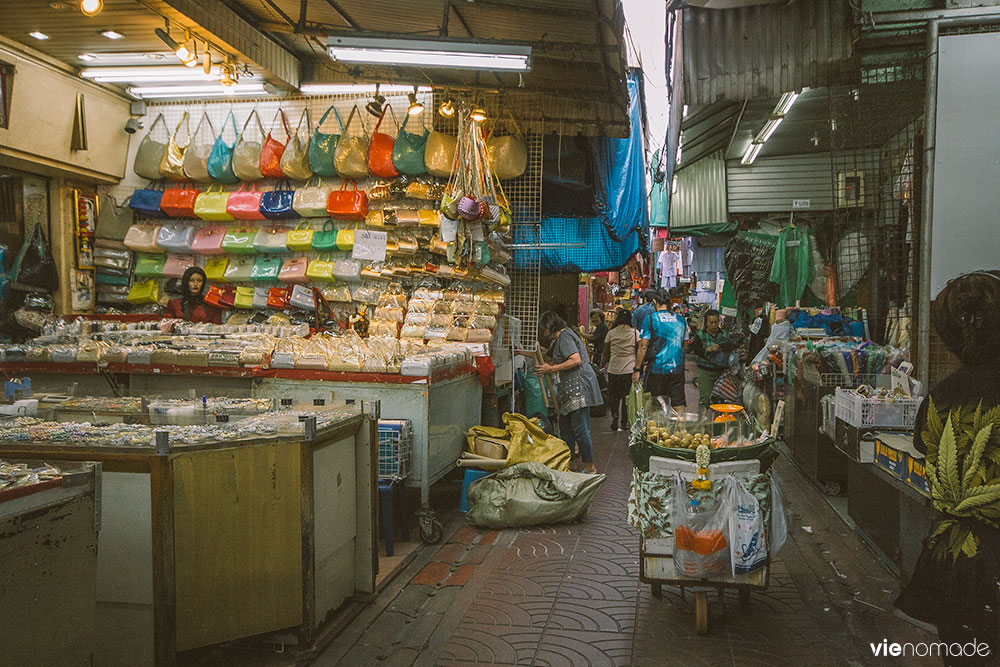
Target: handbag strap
[[260, 126], [231, 119], [201, 121], [354, 185], [186, 122], [347, 126], [388, 107], [159, 120], [302, 225], [283, 181], [304, 115], [284, 121], [336, 115], [329, 223]]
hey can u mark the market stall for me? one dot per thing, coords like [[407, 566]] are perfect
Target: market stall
[[216, 532]]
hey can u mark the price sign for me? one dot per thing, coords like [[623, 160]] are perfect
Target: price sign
[[370, 245]]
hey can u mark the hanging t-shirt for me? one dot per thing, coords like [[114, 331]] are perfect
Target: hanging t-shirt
[[666, 332], [668, 269]]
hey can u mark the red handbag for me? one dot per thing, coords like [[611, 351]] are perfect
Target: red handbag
[[220, 297], [344, 204], [245, 204], [277, 297], [179, 202], [272, 150], [380, 149]]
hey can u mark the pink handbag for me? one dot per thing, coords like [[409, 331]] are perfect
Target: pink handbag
[[208, 240], [245, 204], [176, 265], [294, 270]]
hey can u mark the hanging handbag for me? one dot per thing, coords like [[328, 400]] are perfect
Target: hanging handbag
[[429, 218], [239, 240], [211, 205], [271, 239], [265, 269], [175, 237], [300, 238], [277, 204], [220, 161], [323, 146], [320, 269], [272, 150], [149, 266], [302, 297], [277, 297], [294, 270], [176, 265], [220, 297], [144, 292], [380, 148], [406, 217], [172, 162], [215, 269], [243, 298], [145, 202], [260, 297], [208, 240], [245, 204], [347, 269], [326, 239], [142, 238], [246, 153], [345, 239], [179, 202], [439, 154], [295, 159], [113, 220], [345, 204], [351, 156], [508, 155], [150, 152], [310, 201], [375, 219], [197, 153], [239, 269], [408, 150]]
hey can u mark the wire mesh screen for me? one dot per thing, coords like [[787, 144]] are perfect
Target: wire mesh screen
[[876, 129]]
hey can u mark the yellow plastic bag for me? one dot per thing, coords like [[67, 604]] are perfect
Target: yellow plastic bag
[[528, 442]]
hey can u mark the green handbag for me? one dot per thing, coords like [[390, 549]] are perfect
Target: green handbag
[[265, 269], [408, 151], [239, 240], [150, 266], [322, 147], [327, 239], [107, 279]]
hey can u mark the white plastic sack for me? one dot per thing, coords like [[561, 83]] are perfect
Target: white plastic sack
[[747, 532], [701, 526]]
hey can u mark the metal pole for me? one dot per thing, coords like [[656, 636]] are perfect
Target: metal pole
[[927, 206]]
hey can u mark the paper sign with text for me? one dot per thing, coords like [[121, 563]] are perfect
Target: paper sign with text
[[369, 244]]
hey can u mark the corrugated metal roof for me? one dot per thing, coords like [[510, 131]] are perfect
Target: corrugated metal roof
[[764, 51], [707, 130], [701, 194]]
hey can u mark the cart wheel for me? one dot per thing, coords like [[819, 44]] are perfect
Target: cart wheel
[[434, 535], [745, 599], [657, 589], [701, 612], [831, 488]]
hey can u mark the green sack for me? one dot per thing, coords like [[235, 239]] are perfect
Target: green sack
[[530, 494], [322, 147], [150, 266], [265, 269], [325, 240], [636, 401], [408, 151], [239, 240]]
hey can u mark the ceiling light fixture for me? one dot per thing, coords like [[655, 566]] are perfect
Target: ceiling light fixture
[[40, 36], [206, 64], [430, 53], [354, 88], [112, 34], [91, 7], [87, 57], [477, 114], [374, 107], [203, 90], [447, 108], [781, 110], [416, 108], [180, 50], [151, 73], [753, 150]]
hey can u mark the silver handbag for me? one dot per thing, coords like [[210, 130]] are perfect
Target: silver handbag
[[150, 152], [295, 158], [196, 155], [246, 154]]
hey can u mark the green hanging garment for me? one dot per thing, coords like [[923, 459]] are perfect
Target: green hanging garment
[[792, 268]]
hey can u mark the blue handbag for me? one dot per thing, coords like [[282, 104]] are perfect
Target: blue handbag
[[322, 146], [145, 202], [277, 204], [220, 161]]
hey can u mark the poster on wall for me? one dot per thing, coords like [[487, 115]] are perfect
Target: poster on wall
[[85, 209], [82, 296]]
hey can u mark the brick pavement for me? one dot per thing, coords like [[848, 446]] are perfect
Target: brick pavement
[[570, 595]]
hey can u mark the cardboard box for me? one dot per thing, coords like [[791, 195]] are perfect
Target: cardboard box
[[893, 461], [494, 448], [916, 475]]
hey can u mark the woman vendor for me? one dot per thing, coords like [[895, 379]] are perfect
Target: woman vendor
[[191, 304], [956, 582]]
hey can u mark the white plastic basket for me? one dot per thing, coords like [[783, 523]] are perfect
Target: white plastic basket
[[861, 412], [395, 448]]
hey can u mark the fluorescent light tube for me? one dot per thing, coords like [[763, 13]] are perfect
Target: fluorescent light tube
[[753, 150], [768, 129], [429, 53], [354, 88], [41, 36], [112, 34], [153, 74], [208, 90], [785, 103]]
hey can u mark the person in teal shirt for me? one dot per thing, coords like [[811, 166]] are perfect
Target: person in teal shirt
[[664, 331]]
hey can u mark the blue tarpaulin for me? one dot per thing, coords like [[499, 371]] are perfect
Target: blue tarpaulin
[[613, 236]]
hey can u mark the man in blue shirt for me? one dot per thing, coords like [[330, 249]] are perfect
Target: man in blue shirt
[[643, 311], [665, 331]]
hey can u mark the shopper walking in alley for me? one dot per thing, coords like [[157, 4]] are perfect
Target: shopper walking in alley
[[956, 583], [619, 349], [578, 390], [664, 332], [643, 311], [597, 336], [713, 349]]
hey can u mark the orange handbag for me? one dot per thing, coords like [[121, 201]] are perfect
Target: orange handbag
[[380, 149], [345, 204], [179, 202], [220, 297], [272, 150], [277, 297]]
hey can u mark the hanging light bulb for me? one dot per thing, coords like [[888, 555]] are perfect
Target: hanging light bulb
[[447, 108], [374, 107], [416, 108], [192, 60], [91, 7], [230, 77], [477, 114], [180, 50]]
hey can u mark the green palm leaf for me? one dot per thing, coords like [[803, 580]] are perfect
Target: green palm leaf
[[978, 497], [948, 463], [975, 455]]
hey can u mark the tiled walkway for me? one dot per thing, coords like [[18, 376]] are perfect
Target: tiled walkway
[[570, 595]]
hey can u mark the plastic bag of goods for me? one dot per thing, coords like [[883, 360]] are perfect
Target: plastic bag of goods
[[747, 532], [701, 523]]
